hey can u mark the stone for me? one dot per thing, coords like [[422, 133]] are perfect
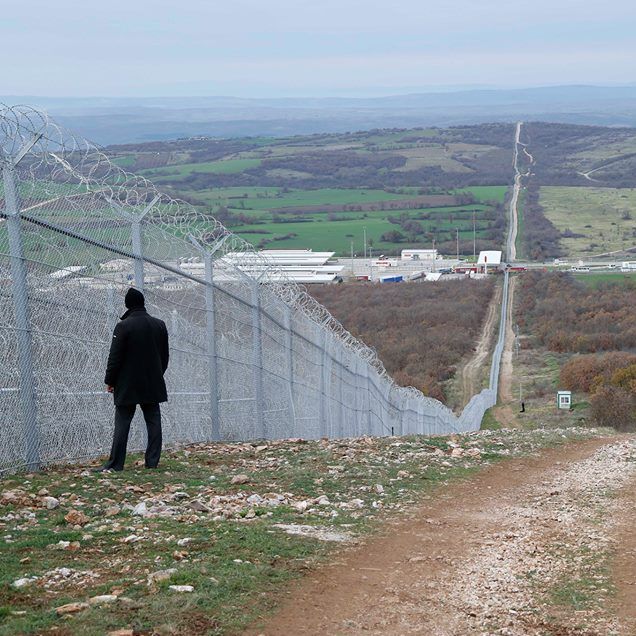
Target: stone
[[140, 510], [181, 588], [103, 599], [133, 538], [20, 583], [402, 474], [356, 503], [197, 506], [112, 511], [379, 488], [121, 632], [301, 506], [71, 608], [240, 479], [323, 500], [76, 518], [185, 541], [254, 500], [50, 503], [161, 575], [457, 452]]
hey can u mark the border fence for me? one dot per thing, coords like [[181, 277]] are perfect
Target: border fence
[[251, 355]]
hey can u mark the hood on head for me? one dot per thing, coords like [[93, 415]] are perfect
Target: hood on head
[[134, 299]]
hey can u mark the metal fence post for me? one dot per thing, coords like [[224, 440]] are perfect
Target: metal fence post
[[138, 252], [257, 361], [211, 346], [341, 406], [22, 318], [289, 346], [324, 382], [367, 396]]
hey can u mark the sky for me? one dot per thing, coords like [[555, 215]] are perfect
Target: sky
[[278, 48]]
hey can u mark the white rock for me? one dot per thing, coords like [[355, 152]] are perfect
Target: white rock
[[254, 499], [104, 599], [23, 582], [379, 488], [51, 502], [301, 506], [356, 503], [323, 500], [181, 588], [161, 575], [185, 541], [140, 510]]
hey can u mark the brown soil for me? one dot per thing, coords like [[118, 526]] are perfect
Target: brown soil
[[624, 566], [504, 412], [472, 371], [391, 584]]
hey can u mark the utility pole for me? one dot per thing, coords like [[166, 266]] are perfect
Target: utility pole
[[364, 230], [457, 237], [474, 237], [434, 254], [352, 258]]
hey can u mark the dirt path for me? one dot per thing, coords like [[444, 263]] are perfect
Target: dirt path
[[624, 565], [471, 373], [513, 221], [479, 559], [504, 411]]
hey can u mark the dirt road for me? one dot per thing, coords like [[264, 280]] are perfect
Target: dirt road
[[472, 370], [512, 551]]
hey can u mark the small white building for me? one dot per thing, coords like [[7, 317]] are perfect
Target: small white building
[[489, 259], [419, 255], [564, 400]]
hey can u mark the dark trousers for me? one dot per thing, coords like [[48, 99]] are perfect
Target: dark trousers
[[123, 418]]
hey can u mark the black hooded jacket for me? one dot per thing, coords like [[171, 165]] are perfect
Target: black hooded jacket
[[138, 359]]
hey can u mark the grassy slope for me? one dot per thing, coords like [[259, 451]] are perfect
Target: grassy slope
[[596, 214]]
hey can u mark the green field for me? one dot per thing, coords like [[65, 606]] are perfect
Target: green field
[[614, 278], [604, 217], [179, 171]]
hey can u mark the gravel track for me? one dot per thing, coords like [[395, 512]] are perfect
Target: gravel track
[[490, 557]]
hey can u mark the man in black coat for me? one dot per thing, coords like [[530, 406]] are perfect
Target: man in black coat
[[137, 362]]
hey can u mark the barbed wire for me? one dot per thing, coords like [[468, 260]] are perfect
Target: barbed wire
[[80, 210]]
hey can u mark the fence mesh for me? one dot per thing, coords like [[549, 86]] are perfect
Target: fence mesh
[[251, 355]]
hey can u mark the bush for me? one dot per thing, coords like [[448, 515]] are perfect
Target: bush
[[614, 407], [420, 330], [611, 379], [581, 373]]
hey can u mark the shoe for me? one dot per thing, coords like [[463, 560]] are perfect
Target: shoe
[[106, 469], [151, 467]]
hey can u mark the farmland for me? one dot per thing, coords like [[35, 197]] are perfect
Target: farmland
[[591, 220], [404, 188]]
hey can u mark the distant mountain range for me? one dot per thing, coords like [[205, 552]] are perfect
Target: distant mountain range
[[107, 120]]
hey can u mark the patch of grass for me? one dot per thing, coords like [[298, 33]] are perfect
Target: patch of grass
[[596, 279], [489, 422], [605, 217]]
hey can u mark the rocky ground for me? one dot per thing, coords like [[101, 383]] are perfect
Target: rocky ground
[[210, 542], [525, 549]]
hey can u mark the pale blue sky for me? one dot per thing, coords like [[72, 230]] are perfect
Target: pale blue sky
[[326, 47]]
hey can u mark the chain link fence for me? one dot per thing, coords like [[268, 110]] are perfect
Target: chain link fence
[[251, 355]]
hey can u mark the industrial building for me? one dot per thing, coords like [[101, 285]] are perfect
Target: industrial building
[[299, 266]]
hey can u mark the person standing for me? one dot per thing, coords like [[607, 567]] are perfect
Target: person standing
[[137, 362]]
